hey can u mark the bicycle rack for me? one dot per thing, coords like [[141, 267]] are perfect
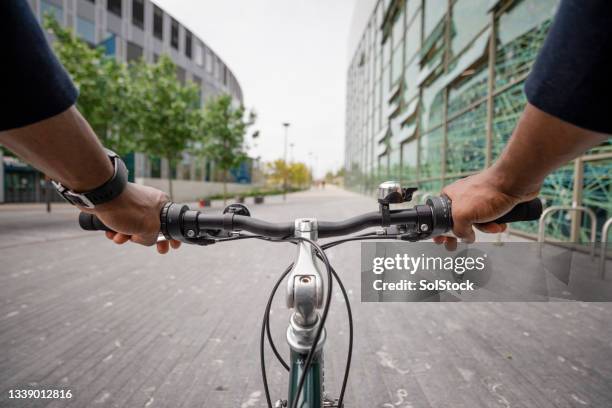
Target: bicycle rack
[[604, 247], [578, 208]]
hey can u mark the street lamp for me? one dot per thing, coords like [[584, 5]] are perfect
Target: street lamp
[[286, 126]]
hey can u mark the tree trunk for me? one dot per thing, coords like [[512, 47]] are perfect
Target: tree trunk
[[224, 188]]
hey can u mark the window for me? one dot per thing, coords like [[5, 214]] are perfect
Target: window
[[224, 75], [114, 6], [199, 55], [86, 29], [49, 8], [434, 11], [174, 34], [209, 62], [138, 13], [469, 17], [134, 51], [158, 23], [188, 45]]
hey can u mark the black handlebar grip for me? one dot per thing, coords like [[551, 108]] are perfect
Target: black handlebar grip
[[90, 222], [527, 211]]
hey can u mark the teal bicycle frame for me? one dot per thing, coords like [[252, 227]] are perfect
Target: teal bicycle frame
[[312, 392]]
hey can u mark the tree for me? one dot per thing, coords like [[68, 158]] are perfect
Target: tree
[[103, 84], [223, 128], [166, 113], [298, 174]]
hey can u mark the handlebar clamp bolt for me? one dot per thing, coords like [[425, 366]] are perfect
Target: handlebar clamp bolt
[[191, 233], [424, 227]]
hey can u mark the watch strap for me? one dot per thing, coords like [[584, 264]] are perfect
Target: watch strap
[[103, 194]]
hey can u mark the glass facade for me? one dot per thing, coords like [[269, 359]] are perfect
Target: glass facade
[[434, 91]]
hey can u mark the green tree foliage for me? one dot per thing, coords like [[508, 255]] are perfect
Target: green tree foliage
[[103, 84], [140, 107], [298, 174], [165, 112], [222, 134]]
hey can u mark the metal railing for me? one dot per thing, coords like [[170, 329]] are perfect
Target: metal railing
[[578, 208], [604, 247]]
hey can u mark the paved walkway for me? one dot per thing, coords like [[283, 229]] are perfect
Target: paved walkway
[[123, 327]]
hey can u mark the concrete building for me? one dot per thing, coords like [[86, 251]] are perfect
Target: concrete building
[[131, 29], [434, 90]]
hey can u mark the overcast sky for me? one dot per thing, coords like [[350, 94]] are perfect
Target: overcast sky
[[290, 58]]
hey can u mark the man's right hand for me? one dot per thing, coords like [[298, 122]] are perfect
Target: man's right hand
[[479, 199]]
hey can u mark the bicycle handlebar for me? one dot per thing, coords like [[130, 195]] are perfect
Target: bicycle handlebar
[[422, 221]]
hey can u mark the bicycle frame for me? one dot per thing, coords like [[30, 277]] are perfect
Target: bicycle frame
[[305, 295]]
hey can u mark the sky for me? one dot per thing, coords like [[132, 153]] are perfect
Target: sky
[[290, 58]]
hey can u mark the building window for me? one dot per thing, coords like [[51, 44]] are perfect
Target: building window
[[174, 34], [134, 51], [199, 55], [138, 13], [158, 23], [114, 6], [188, 40], [209, 62], [86, 29], [49, 8]]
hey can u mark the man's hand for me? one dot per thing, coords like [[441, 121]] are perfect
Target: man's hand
[[135, 217], [479, 199]]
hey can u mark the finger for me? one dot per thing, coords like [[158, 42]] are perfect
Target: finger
[[175, 244], [163, 247], [491, 227], [120, 238], [450, 244], [439, 239], [464, 231], [146, 240], [110, 234]]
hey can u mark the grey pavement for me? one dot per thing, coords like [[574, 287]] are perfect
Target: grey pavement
[[121, 326]]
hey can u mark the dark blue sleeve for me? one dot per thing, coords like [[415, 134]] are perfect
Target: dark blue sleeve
[[572, 76], [33, 84]]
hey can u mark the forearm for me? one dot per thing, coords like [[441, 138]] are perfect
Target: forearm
[[540, 144], [65, 148]]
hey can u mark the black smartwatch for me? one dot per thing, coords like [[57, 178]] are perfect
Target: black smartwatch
[[103, 194]]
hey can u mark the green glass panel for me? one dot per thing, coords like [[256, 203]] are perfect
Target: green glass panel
[[597, 195], [470, 90], [469, 17], [398, 29], [409, 161], [466, 141], [412, 8], [431, 186], [432, 105], [520, 33], [412, 43], [430, 149], [411, 89], [507, 108], [557, 190], [397, 66], [394, 163], [434, 11]]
